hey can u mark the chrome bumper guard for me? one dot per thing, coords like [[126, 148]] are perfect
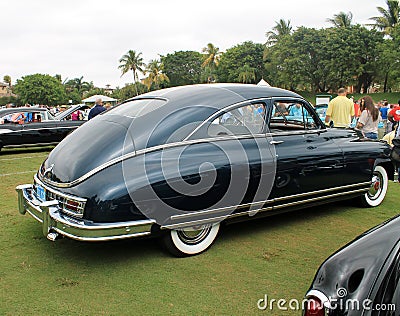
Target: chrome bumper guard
[[55, 224]]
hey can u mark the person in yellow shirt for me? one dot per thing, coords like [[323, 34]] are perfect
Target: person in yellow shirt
[[389, 137], [340, 110]]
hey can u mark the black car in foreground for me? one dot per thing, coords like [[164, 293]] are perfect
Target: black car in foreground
[[362, 278], [175, 163], [34, 126]]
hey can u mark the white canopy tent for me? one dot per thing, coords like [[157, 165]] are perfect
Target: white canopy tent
[[263, 83], [104, 98]]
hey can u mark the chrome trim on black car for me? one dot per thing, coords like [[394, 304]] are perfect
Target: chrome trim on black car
[[68, 204], [188, 223], [30, 145], [54, 222], [142, 152]]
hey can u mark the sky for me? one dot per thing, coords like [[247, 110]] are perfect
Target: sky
[[87, 38]]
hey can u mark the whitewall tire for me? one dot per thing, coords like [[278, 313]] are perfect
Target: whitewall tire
[[190, 241], [377, 191]]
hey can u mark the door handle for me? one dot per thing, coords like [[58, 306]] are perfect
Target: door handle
[[276, 142]]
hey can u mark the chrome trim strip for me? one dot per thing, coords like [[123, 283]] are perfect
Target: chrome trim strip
[[299, 132], [145, 151], [30, 145], [218, 210], [287, 197], [254, 212], [49, 128], [194, 223], [63, 195], [349, 186], [41, 128], [319, 198]]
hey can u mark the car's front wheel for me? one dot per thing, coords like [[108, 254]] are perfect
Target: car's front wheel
[[378, 188], [190, 241]]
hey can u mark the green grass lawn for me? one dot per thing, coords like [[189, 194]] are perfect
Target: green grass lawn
[[277, 256]]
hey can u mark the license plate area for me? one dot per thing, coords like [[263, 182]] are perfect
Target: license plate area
[[40, 193]]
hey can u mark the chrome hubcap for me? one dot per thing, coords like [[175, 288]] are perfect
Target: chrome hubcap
[[193, 235], [376, 186]]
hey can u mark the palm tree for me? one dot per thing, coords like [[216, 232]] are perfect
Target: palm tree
[[132, 61], [156, 75], [281, 29], [211, 59], [212, 56], [341, 19], [79, 85], [247, 74], [389, 18]]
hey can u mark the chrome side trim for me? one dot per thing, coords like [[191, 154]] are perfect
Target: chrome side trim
[[30, 145], [40, 129], [212, 220], [344, 187], [319, 198], [299, 132], [218, 210], [263, 209], [261, 203], [48, 128], [145, 151]]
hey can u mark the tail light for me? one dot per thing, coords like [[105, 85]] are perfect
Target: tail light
[[317, 304], [314, 307]]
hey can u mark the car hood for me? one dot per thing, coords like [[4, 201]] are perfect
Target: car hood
[[96, 142], [356, 266]]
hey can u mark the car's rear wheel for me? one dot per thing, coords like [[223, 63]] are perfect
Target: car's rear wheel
[[190, 241], [378, 188]]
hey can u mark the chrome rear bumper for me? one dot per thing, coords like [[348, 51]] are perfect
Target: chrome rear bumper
[[55, 223]]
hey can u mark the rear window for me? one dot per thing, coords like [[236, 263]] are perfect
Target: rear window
[[138, 108]]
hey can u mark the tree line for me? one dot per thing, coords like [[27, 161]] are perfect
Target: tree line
[[304, 59]]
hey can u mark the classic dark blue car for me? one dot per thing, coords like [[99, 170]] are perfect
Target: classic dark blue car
[[178, 162]]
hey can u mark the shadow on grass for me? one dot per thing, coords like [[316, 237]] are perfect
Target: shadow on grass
[[99, 253], [297, 217]]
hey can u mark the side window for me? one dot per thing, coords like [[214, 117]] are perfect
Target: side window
[[32, 117], [290, 115], [248, 119]]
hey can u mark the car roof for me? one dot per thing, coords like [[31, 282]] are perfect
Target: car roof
[[184, 108], [218, 95]]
